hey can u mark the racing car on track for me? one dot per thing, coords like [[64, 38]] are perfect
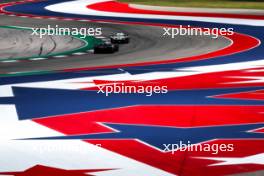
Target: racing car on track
[[105, 47], [120, 38], [108, 41]]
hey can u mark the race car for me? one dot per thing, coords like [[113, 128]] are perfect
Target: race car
[[120, 38], [108, 41], [105, 48]]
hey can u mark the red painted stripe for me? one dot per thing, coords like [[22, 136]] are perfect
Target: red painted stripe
[[180, 116], [184, 163], [118, 7], [213, 80], [237, 46]]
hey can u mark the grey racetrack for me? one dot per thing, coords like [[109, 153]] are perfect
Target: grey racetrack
[[147, 44]]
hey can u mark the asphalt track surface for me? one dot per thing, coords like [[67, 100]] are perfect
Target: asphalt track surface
[[16, 43], [147, 44]]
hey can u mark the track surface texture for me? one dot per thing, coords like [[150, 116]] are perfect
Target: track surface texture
[[15, 43], [147, 44]]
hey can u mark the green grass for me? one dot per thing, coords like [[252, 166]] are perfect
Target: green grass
[[243, 4]]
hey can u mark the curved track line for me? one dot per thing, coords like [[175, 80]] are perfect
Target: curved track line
[[236, 47], [118, 7]]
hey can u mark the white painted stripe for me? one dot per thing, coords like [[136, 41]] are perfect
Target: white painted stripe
[[79, 53], [90, 51], [77, 83], [20, 27], [80, 7], [9, 61], [60, 56], [56, 153], [198, 9], [38, 58]]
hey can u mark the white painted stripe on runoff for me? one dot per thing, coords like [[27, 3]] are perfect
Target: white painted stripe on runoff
[[249, 79], [79, 7], [21, 27], [198, 9], [38, 58], [79, 53], [9, 61], [6, 91], [12, 128], [90, 51], [258, 70], [222, 161], [64, 154], [86, 82], [60, 56]]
